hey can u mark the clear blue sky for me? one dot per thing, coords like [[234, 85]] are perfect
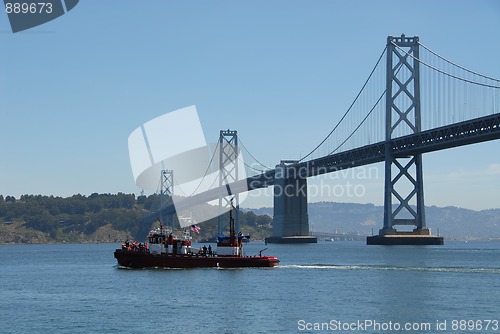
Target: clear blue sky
[[280, 72]]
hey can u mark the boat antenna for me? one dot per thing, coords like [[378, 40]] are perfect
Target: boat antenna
[[231, 219], [232, 236], [260, 252]]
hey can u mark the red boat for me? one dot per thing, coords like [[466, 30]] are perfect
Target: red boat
[[166, 251]]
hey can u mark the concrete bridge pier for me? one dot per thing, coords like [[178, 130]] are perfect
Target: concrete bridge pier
[[290, 222]]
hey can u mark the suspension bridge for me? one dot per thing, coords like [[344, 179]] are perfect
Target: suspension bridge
[[419, 102]]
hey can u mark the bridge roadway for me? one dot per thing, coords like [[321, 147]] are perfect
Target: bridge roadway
[[458, 134]]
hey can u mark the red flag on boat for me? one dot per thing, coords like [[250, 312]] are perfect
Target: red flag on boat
[[196, 229]]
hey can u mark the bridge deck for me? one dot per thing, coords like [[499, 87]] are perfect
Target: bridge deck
[[459, 134]]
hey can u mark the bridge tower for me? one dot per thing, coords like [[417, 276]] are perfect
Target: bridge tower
[[228, 173], [290, 220], [166, 193], [403, 174]]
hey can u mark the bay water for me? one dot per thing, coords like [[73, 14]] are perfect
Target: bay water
[[343, 287]]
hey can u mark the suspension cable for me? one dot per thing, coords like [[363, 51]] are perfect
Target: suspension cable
[[349, 109], [206, 172], [246, 149], [248, 166], [443, 72], [361, 123], [399, 67], [177, 185], [213, 183], [457, 65]]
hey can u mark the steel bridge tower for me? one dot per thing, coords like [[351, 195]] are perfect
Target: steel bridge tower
[[166, 193], [228, 173], [403, 174], [403, 117]]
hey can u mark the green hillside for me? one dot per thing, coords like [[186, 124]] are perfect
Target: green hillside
[[97, 218]]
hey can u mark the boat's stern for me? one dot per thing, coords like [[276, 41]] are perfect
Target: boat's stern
[[272, 260]]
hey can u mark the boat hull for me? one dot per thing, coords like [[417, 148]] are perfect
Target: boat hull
[[134, 259]]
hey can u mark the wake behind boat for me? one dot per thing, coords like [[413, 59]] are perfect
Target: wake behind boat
[[164, 250]]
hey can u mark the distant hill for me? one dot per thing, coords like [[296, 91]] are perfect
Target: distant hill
[[452, 222], [99, 218], [116, 217]]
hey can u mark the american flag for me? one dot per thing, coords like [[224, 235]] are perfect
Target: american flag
[[196, 229]]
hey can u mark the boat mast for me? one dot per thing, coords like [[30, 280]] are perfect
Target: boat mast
[[232, 237]]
